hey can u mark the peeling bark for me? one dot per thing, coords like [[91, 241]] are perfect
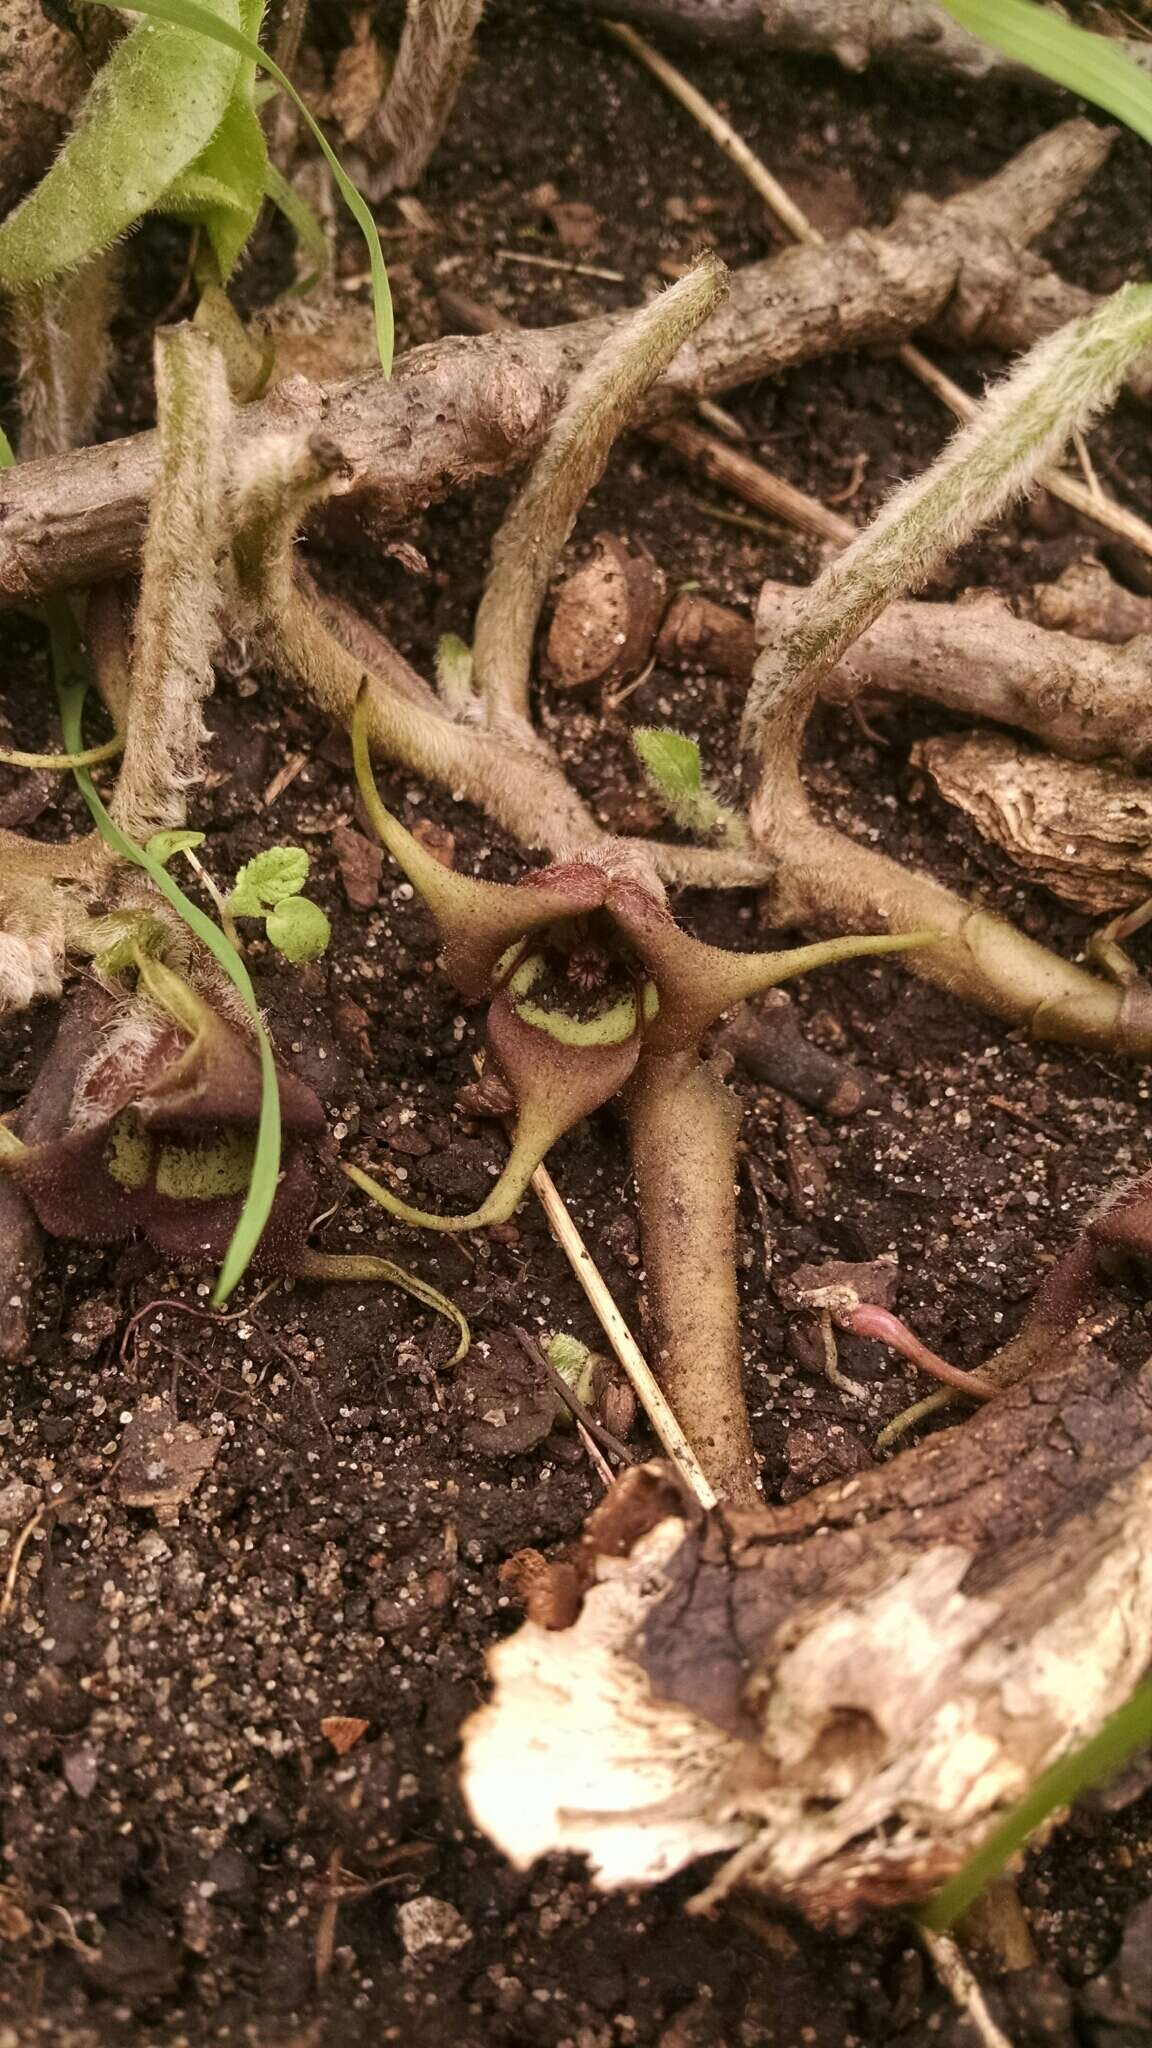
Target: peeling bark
[[1083, 832], [846, 1692]]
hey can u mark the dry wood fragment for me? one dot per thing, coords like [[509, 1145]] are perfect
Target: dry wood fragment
[[766, 1040], [842, 1694], [1083, 832], [466, 408], [856, 32]]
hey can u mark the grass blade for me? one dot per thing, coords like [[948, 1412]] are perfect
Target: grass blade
[[1087, 64]]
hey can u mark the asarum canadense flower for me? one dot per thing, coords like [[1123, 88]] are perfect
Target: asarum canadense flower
[[161, 1136], [587, 973]]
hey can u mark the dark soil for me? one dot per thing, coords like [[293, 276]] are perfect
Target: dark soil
[[178, 1828]]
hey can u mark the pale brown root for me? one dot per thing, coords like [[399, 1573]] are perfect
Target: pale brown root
[[738, 473], [1082, 698], [463, 409], [1088, 602], [682, 1123], [1083, 832]]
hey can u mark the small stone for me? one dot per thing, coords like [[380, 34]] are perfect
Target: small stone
[[81, 1769], [361, 866], [18, 1502], [427, 1924], [436, 840]]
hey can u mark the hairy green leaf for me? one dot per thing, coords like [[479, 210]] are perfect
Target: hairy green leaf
[[298, 929], [1087, 64], [202, 15], [152, 108], [267, 879], [223, 190], [670, 761]]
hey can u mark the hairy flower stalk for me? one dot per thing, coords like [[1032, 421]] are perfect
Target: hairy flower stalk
[[1020, 429], [590, 983], [176, 621], [682, 1122]]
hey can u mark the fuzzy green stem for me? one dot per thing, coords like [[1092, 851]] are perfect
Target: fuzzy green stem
[[600, 404], [176, 622], [683, 1123], [1022, 426]]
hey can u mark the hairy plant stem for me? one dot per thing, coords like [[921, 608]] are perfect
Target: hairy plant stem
[[417, 106], [61, 331], [822, 875], [682, 1122], [176, 620], [600, 404]]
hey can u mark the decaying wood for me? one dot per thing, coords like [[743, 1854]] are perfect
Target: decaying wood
[[466, 408], [842, 1694], [1083, 832], [855, 32], [1084, 700], [766, 1040]]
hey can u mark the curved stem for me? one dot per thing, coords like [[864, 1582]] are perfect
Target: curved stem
[[355, 1266], [682, 1123]]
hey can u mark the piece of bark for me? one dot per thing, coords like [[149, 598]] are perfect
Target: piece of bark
[[856, 32], [361, 865], [846, 1692], [765, 1039], [162, 1460], [1083, 832], [1084, 700], [1088, 602], [45, 70], [605, 616], [465, 408], [41, 1117]]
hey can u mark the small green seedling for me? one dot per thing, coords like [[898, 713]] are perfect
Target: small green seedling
[[673, 768], [267, 887]]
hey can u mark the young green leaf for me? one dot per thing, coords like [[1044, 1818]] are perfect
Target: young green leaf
[[670, 761], [672, 765], [153, 106], [222, 191], [164, 845], [1088, 64], [271, 876], [298, 929], [202, 15], [454, 672]]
